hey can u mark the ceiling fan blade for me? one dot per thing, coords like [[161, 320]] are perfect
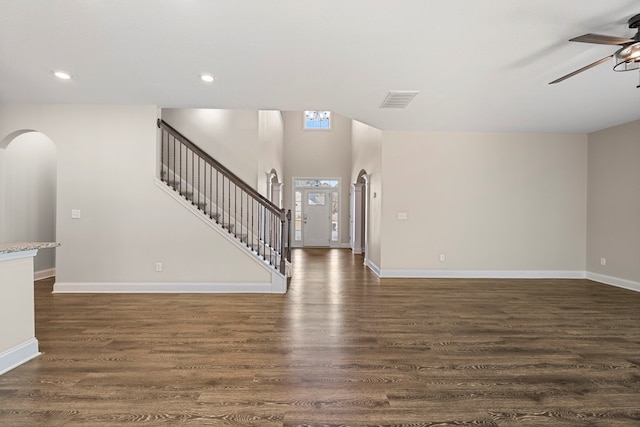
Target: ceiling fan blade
[[598, 62], [602, 39]]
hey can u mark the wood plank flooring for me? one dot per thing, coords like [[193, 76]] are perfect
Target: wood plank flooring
[[341, 348]]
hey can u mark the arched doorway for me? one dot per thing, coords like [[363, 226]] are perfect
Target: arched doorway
[[274, 188], [359, 214], [28, 181]]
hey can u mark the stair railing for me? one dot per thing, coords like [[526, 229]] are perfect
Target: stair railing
[[225, 198]]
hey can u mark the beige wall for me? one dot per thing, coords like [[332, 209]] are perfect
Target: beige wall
[[106, 168], [497, 202], [366, 153], [270, 147], [614, 202], [488, 202], [317, 154]]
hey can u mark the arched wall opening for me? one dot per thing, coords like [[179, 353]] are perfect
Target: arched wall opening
[[360, 214], [28, 189], [274, 188]]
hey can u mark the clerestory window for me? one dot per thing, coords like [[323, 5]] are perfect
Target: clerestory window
[[317, 120]]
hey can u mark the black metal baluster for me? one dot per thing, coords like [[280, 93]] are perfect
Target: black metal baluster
[[174, 163], [161, 153], [253, 231], [209, 205], [289, 235], [179, 184], [223, 201], [198, 182], [283, 263], [274, 240], [187, 174], [264, 232], [241, 217], [193, 180], [217, 193]]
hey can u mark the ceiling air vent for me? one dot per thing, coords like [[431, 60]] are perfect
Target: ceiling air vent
[[399, 98]]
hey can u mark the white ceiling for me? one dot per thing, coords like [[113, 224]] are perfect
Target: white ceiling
[[480, 65]]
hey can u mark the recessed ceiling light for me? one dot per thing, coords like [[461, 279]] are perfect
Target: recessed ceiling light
[[207, 78], [62, 75]]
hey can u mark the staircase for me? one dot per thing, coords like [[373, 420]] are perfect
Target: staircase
[[227, 201]]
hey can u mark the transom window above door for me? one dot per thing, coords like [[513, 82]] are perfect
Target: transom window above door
[[316, 183]]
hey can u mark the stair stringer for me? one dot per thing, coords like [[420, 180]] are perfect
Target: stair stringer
[[278, 280], [184, 190]]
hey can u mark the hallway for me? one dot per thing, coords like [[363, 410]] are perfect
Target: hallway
[[342, 347]]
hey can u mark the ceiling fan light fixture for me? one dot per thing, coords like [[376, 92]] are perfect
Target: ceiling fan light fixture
[[627, 58]]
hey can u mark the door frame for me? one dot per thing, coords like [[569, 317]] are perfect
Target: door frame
[[300, 243]]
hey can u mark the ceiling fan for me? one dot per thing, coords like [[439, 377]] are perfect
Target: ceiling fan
[[626, 58]]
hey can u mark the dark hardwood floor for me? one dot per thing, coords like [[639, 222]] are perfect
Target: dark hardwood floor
[[341, 348]]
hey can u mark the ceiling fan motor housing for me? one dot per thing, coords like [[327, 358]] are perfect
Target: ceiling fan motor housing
[[627, 58]]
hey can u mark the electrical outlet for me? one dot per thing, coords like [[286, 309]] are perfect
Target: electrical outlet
[[158, 266], [603, 261], [441, 257]]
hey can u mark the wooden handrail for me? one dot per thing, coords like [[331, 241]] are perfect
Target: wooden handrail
[[220, 167]]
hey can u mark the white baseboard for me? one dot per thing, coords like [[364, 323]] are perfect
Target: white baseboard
[[505, 274], [164, 287], [373, 267], [614, 281], [18, 355], [44, 274], [483, 274]]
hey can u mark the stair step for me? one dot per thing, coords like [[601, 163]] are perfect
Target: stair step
[[175, 186], [200, 205]]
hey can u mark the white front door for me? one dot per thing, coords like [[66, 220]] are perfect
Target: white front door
[[316, 219]]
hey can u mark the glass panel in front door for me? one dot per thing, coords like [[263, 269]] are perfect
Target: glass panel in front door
[[316, 218]]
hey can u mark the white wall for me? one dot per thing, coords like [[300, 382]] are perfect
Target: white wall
[[496, 202], [317, 154], [28, 179], [366, 153], [614, 202], [270, 147], [106, 168]]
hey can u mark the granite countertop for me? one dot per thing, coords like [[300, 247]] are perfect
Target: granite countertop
[[6, 248]]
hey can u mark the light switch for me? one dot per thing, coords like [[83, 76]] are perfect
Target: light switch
[[402, 216], [75, 213]]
